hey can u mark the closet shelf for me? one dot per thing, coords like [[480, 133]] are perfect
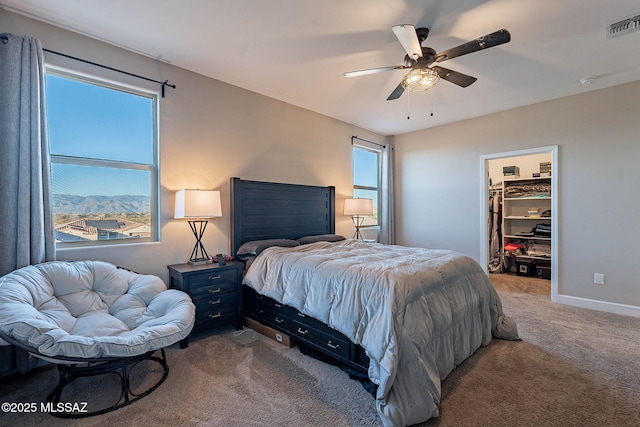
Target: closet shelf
[[526, 217], [513, 236], [539, 258], [528, 198]]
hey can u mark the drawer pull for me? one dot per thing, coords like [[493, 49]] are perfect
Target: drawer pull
[[259, 311], [216, 277], [301, 315], [215, 302], [277, 305], [214, 316], [301, 332], [279, 320], [335, 347], [214, 291]]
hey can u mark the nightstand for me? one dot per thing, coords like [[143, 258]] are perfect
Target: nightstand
[[216, 291]]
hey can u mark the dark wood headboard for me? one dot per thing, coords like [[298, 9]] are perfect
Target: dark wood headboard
[[269, 210]]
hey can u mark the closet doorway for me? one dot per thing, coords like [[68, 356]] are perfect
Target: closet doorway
[[521, 224]]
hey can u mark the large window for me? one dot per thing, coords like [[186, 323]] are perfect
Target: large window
[[103, 146], [366, 179]]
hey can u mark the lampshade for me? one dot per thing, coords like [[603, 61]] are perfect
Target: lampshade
[[420, 79], [197, 204], [358, 207]]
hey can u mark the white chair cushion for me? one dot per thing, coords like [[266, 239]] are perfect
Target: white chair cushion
[[92, 309]]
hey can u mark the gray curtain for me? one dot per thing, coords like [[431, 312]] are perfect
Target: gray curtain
[[26, 229], [387, 235], [26, 225]]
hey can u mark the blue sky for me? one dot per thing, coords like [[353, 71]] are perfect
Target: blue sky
[[86, 120], [365, 168]]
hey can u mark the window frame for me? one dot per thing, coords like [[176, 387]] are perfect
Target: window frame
[[378, 188], [153, 168]]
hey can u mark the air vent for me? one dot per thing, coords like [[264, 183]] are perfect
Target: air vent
[[624, 26]]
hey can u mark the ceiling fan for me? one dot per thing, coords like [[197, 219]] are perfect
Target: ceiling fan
[[418, 58]]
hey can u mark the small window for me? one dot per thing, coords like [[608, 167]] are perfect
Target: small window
[[366, 179], [104, 169]]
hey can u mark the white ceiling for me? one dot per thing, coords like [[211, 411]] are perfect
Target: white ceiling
[[297, 50]]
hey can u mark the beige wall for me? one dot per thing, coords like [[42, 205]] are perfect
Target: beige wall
[[597, 134], [211, 131], [528, 165]]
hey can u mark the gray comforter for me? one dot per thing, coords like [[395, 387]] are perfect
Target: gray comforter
[[418, 313]]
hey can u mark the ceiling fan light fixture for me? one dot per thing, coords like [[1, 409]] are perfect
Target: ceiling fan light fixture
[[420, 79]]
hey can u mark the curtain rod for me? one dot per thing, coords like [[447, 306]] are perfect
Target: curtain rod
[[163, 84], [366, 140]]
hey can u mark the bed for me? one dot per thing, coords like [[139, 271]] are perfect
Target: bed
[[415, 313]]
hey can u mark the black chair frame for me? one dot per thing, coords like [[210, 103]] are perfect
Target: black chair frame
[[72, 368]]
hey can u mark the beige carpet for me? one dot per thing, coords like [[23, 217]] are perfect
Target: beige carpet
[[574, 367]]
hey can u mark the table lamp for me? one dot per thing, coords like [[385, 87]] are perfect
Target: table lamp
[[195, 205], [357, 209]]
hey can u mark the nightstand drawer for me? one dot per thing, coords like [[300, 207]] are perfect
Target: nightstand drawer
[[214, 316], [214, 289], [211, 279], [206, 301], [211, 290]]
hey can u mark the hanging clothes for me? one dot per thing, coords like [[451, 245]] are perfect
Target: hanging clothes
[[495, 232]]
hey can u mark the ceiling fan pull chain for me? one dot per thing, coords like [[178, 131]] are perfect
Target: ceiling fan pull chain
[[408, 105], [431, 99]]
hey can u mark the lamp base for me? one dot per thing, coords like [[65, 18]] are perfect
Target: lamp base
[[200, 261], [357, 223], [199, 255]]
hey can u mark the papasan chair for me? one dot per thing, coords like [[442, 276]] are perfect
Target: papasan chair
[[92, 318]]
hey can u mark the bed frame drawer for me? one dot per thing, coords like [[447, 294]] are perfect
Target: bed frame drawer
[[330, 343], [267, 310], [304, 329], [278, 318]]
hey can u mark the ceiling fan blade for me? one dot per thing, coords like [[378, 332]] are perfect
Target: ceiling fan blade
[[408, 38], [374, 70], [454, 77], [485, 42], [397, 92]]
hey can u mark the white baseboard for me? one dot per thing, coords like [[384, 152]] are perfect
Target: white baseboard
[[609, 307]]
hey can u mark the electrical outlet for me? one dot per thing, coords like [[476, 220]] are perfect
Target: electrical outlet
[[598, 278], [278, 337]]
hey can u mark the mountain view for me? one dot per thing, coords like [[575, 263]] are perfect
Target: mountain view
[[82, 218], [79, 205]]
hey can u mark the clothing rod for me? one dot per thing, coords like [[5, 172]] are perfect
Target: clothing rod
[[366, 140], [163, 84]]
